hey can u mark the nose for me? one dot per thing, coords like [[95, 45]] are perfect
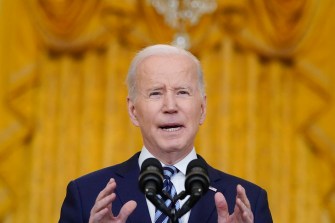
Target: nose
[[170, 103]]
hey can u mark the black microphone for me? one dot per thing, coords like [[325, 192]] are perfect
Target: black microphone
[[151, 177], [151, 183], [196, 184], [197, 180]]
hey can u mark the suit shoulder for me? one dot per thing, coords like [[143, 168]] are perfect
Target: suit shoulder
[[104, 174], [257, 196], [230, 181]]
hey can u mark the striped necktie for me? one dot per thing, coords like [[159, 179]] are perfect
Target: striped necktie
[[169, 171]]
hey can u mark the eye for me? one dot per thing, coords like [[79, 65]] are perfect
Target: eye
[[155, 94], [183, 92]]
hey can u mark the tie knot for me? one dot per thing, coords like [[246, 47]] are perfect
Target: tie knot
[[169, 171]]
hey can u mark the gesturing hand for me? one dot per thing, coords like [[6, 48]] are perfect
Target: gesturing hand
[[242, 211], [102, 209]]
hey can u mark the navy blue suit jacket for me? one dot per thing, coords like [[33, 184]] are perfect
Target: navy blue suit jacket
[[82, 193]]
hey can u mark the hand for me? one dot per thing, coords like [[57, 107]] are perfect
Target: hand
[[102, 209], [242, 211]]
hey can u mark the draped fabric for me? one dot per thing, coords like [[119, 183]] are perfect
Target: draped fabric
[[269, 74]]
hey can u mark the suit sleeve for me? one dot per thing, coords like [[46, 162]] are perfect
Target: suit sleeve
[[262, 212], [71, 211]]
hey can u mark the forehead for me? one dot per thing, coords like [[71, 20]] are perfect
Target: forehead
[[167, 68]]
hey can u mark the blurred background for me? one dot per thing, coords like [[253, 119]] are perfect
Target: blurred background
[[270, 72]]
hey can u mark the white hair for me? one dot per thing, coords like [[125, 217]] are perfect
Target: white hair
[[160, 50]]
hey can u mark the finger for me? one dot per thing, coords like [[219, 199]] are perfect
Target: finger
[[241, 194], [110, 187], [221, 207], [126, 210], [245, 212], [104, 203], [105, 197], [97, 217], [237, 212]]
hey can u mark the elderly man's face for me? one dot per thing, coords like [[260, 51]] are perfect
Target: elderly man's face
[[168, 106]]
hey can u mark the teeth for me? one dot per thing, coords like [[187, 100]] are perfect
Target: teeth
[[172, 129]]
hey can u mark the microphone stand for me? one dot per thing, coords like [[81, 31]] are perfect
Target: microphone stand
[[172, 213]]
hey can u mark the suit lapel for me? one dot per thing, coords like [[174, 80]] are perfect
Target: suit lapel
[[128, 189], [203, 209]]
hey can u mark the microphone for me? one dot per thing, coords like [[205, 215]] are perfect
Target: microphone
[[197, 180], [151, 183], [196, 184], [151, 177]]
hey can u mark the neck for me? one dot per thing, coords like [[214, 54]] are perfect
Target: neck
[[171, 158]]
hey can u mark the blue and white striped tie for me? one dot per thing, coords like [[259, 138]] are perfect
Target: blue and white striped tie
[[169, 171]]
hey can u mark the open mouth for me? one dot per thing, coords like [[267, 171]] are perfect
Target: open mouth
[[171, 128]]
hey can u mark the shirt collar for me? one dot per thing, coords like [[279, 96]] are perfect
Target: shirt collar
[[181, 165]]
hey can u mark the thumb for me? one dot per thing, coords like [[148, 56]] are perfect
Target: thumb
[[126, 210], [221, 207]]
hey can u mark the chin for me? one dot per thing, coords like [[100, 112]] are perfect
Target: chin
[[174, 148], [171, 148]]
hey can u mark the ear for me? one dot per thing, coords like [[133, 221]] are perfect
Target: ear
[[132, 112], [203, 110]]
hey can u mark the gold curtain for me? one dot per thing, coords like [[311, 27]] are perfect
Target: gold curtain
[[269, 72]]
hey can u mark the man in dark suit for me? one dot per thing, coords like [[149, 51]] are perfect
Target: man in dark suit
[[167, 101]]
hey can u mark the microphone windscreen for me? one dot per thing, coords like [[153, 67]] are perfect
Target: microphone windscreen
[[196, 177], [151, 162], [151, 175], [196, 163]]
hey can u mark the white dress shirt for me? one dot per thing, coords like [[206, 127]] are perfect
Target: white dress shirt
[[178, 179]]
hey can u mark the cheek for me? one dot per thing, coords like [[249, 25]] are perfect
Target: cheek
[[193, 117], [146, 116]]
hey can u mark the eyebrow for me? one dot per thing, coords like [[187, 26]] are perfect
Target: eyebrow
[[175, 88], [184, 88], [155, 88], [187, 87]]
